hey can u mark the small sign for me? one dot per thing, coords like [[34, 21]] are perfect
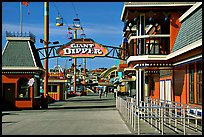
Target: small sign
[[31, 82], [84, 48]]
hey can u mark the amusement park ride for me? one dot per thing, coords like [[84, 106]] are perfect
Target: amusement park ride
[[53, 51]]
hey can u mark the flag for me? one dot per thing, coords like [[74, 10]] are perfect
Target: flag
[[25, 3]]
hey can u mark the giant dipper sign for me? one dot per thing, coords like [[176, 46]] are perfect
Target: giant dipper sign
[[84, 48]]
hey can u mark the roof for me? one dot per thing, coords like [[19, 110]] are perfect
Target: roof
[[190, 31], [20, 53], [152, 4]]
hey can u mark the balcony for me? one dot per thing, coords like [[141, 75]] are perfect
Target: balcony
[[149, 45]]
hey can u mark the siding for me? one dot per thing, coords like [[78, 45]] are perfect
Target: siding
[[191, 30]]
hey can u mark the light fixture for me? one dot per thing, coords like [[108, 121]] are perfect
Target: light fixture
[[166, 16], [151, 19], [55, 42]]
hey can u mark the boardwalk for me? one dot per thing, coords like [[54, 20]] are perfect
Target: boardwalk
[[85, 115]]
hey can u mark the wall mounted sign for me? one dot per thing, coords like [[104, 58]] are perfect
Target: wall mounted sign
[[84, 48]]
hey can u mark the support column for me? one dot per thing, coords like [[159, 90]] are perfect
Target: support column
[[84, 75], [75, 63], [139, 83], [46, 39], [137, 87]]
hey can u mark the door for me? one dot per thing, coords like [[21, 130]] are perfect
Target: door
[[9, 95], [168, 90], [162, 90]]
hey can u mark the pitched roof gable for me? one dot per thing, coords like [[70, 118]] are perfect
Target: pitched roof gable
[[20, 53]]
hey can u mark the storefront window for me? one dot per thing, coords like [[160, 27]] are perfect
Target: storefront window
[[191, 83], [52, 88], [199, 83], [23, 88]]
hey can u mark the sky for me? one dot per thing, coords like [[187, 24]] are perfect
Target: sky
[[100, 21]]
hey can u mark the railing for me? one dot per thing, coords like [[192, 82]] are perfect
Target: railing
[[159, 113], [20, 34], [150, 45]]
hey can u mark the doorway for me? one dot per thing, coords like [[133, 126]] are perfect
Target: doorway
[[8, 95]]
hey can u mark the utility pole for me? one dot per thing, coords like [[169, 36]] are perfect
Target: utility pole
[[46, 39], [84, 75], [75, 63]]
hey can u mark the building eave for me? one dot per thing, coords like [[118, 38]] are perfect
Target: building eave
[[189, 11], [22, 68], [152, 4]]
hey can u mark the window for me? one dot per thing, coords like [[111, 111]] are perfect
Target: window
[[23, 89], [199, 83], [52, 88], [191, 82]]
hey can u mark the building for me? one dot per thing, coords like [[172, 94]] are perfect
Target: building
[[57, 84], [21, 65], [163, 58]]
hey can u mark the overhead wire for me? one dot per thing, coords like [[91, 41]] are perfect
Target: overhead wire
[[75, 11], [59, 14], [77, 16]]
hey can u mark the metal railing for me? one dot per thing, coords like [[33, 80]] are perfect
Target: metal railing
[[20, 34], [159, 113]]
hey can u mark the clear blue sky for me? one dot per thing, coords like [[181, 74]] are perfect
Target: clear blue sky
[[100, 20]]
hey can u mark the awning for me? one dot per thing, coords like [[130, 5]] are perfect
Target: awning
[[121, 67]]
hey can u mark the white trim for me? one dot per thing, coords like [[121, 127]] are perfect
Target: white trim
[[122, 12], [57, 80], [148, 36], [22, 68], [187, 60], [129, 69], [32, 53], [185, 49], [146, 57], [189, 11], [5, 47]]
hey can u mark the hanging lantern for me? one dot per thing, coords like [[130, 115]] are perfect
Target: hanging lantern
[[59, 21], [69, 35], [76, 23]]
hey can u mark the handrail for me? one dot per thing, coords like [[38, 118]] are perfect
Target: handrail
[[158, 113]]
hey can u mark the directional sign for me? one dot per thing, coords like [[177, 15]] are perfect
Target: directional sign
[[31, 82]]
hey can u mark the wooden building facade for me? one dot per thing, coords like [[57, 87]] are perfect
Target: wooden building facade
[[21, 65], [164, 50]]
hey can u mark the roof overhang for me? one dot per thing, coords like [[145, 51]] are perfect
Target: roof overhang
[[57, 80], [22, 69], [138, 5], [189, 11], [121, 67]]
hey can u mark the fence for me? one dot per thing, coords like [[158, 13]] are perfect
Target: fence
[[159, 113]]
